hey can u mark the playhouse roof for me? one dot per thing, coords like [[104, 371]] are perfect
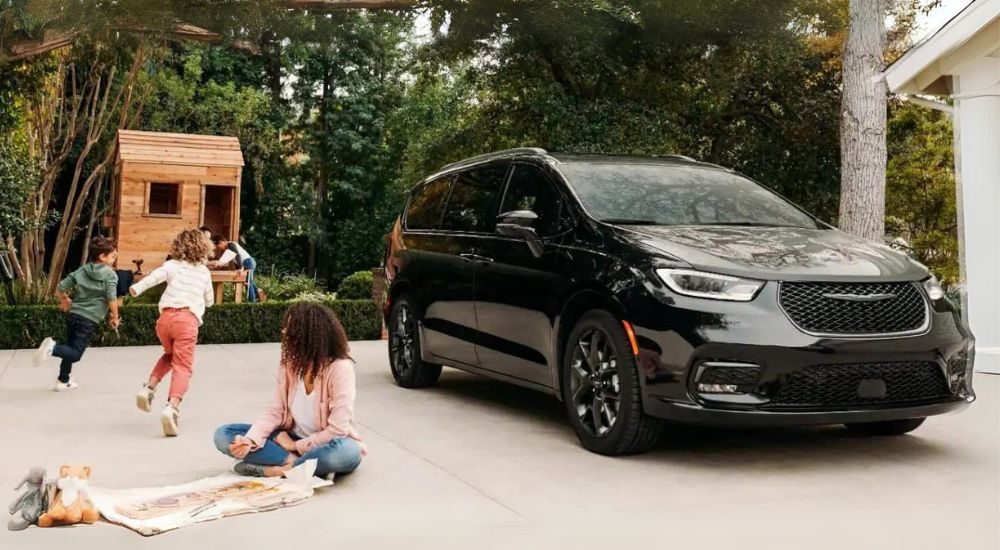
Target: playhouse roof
[[184, 149]]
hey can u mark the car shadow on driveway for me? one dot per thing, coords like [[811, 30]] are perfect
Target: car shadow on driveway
[[793, 448]]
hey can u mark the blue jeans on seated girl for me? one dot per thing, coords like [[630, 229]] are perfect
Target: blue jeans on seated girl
[[340, 456]]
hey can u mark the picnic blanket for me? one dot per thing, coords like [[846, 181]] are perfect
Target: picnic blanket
[[156, 510]]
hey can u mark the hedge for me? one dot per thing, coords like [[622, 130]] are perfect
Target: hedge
[[357, 286], [25, 326]]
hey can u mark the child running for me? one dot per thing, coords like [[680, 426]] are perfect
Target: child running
[[86, 295], [188, 293], [312, 414]]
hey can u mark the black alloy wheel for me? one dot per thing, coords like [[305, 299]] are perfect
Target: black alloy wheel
[[600, 388], [595, 387], [408, 369]]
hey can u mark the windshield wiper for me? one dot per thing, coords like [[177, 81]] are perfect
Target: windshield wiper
[[627, 221]]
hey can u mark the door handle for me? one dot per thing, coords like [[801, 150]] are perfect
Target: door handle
[[476, 258]]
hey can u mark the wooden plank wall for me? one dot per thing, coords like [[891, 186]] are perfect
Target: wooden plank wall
[[149, 238]]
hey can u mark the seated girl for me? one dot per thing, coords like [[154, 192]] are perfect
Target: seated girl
[[312, 415]]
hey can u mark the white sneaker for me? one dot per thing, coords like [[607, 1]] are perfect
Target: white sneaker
[[44, 350], [66, 386], [170, 417], [144, 398]]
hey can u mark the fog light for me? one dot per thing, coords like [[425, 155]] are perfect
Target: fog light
[[958, 367], [727, 377], [718, 388]]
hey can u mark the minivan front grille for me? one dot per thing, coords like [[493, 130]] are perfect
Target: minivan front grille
[[833, 386], [854, 309]]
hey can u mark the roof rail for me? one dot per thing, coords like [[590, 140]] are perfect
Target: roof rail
[[495, 155], [681, 157]]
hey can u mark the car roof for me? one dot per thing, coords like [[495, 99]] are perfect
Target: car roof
[[575, 158], [537, 153]]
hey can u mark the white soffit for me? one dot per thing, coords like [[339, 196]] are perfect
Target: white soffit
[[973, 33]]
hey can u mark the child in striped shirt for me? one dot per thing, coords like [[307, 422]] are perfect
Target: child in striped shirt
[[188, 293]]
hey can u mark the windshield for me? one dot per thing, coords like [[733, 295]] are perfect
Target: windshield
[[663, 194]]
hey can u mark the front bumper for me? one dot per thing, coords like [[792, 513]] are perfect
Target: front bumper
[[679, 336], [691, 413]]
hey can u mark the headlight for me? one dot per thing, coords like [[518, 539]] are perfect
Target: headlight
[[933, 288], [709, 285]]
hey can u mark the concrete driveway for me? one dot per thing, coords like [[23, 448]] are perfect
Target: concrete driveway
[[479, 464]]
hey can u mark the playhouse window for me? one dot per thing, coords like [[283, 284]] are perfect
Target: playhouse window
[[164, 199]]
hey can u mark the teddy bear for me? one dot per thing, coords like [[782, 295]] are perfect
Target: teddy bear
[[29, 506], [71, 503]]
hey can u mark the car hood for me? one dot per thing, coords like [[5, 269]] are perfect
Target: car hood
[[779, 253]]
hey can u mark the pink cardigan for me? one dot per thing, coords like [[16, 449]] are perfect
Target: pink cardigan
[[335, 411]]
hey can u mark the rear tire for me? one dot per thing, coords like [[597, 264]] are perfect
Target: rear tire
[[600, 373], [889, 427], [408, 369]]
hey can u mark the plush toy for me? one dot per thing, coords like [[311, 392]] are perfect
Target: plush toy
[[30, 505], [71, 503]]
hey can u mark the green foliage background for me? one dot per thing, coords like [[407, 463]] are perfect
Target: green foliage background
[[340, 112]]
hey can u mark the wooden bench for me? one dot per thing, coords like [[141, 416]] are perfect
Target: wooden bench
[[221, 277]]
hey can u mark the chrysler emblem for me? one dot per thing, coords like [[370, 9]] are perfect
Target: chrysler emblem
[[860, 297]]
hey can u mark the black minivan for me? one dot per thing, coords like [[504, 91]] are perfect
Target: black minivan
[[638, 290]]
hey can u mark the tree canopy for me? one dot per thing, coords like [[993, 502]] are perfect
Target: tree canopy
[[339, 112]]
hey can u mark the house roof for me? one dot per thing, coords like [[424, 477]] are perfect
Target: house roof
[[184, 149], [926, 68]]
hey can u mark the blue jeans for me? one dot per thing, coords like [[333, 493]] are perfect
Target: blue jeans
[[79, 331], [250, 265], [340, 456]]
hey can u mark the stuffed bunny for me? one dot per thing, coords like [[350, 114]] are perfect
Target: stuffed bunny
[[29, 506]]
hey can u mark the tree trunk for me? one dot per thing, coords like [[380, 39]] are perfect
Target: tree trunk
[[863, 122], [99, 116], [321, 173], [92, 221]]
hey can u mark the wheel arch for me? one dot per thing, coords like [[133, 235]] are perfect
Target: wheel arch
[[398, 288], [577, 305]]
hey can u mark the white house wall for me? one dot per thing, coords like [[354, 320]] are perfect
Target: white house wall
[[977, 111]]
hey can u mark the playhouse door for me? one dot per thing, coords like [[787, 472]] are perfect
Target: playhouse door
[[218, 209]]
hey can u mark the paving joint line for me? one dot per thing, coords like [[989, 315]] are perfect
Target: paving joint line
[[464, 481]]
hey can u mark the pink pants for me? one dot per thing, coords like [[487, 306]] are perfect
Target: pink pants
[[178, 332]]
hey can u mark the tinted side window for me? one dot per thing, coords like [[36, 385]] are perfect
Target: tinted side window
[[427, 205], [530, 189], [473, 203]]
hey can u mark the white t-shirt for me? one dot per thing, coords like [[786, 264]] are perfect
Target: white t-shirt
[[304, 410], [240, 255], [188, 285]]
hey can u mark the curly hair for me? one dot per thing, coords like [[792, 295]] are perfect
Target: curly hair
[[100, 246], [191, 246], [311, 338]]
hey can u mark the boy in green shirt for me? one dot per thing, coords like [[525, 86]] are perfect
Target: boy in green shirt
[[93, 288]]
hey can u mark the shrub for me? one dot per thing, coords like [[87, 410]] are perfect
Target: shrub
[[357, 286], [318, 297], [25, 326], [279, 287], [29, 295]]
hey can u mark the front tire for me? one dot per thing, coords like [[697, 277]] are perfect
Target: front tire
[[408, 369], [600, 387], [889, 427]]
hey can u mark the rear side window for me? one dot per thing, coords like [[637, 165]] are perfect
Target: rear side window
[[473, 203], [530, 189], [427, 205]]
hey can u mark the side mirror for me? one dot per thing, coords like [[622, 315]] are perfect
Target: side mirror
[[519, 224]]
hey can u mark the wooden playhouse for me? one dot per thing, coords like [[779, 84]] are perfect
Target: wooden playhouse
[[164, 183]]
